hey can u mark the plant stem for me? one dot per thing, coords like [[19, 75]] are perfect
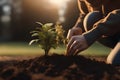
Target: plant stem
[[46, 51]]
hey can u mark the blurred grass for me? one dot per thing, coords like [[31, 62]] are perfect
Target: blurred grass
[[97, 49], [22, 48]]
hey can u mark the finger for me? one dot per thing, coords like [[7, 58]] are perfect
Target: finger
[[79, 50], [69, 45], [70, 34], [76, 52], [73, 48]]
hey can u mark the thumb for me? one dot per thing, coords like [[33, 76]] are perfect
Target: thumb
[[70, 34], [78, 31]]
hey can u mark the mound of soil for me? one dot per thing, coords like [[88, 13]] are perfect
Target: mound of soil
[[59, 67]]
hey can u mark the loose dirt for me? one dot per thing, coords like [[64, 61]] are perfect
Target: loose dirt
[[58, 67]]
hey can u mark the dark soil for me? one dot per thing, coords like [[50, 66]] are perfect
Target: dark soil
[[59, 67]]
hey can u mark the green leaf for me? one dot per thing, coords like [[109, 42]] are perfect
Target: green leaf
[[52, 29], [54, 46], [39, 23], [49, 24], [35, 34], [33, 41]]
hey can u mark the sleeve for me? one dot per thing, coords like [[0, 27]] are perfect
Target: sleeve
[[108, 26]]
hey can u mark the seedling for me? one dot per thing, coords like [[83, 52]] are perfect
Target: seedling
[[48, 36]]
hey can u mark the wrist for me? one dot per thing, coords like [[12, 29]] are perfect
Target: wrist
[[92, 35]]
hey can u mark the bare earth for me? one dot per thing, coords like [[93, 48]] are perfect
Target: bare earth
[[57, 67]]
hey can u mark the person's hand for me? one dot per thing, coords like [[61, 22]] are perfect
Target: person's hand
[[74, 31], [76, 44]]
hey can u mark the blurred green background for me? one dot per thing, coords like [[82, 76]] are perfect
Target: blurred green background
[[18, 17]]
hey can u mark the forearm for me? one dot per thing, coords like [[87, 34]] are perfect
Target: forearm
[[83, 11], [79, 22], [108, 26]]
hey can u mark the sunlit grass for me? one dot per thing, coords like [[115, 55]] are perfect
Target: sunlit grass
[[19, 49], [97, 50], [9, 49]]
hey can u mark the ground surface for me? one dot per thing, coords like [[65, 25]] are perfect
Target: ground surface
[[58, 67]]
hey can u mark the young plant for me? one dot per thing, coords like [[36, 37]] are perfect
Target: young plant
[[48, 36]]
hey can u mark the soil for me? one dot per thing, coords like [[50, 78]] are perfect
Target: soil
[[58, 67]]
